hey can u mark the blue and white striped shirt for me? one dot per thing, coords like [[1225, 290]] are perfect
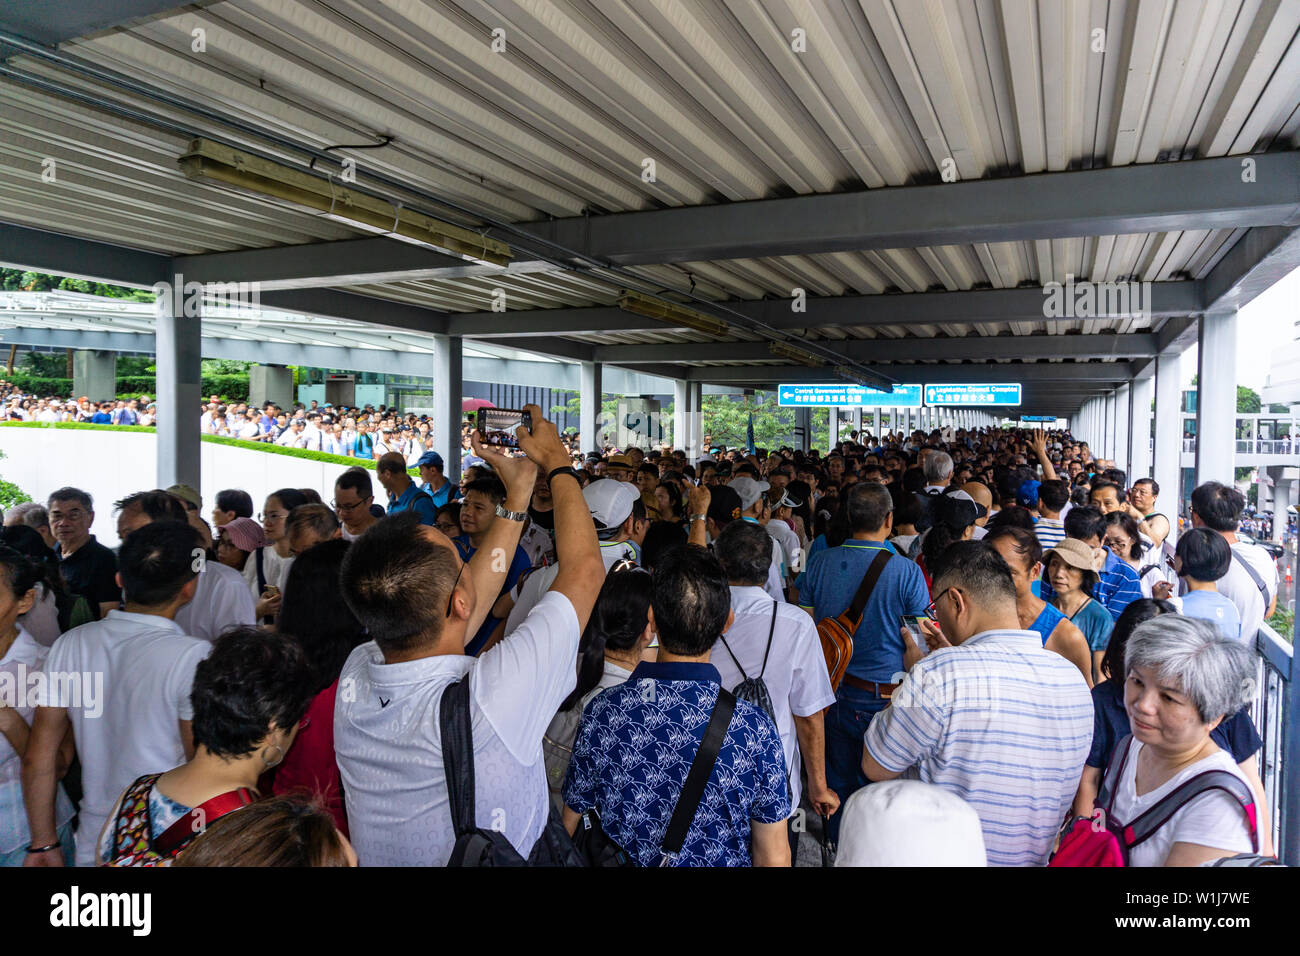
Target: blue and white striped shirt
[[1001, 722]]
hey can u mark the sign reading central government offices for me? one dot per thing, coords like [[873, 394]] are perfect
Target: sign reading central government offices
[[903, 396], [809, 396]]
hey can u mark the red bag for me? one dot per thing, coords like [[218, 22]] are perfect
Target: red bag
[[1100, 840]]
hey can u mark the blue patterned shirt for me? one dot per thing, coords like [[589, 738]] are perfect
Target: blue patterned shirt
[[635, 747]]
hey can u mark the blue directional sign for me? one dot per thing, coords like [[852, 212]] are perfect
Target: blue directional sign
[[981, 396], [1038, 418], [812, 396]]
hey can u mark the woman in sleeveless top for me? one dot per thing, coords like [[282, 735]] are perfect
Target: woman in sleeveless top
[[1072, 571], [1023, 554], [253, 678]]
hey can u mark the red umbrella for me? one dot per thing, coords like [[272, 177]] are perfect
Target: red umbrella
[[474, 404]]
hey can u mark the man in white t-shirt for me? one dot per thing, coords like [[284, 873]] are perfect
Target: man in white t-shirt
[[123, 685], [387, 736], [778, 642], [1251, 582]]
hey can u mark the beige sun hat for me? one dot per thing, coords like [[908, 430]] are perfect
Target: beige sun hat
[[1077, 555]]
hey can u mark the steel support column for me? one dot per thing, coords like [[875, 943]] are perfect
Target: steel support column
[[1141, 396], [1169, 440], [447, 415], [589, 398], [179, 364]]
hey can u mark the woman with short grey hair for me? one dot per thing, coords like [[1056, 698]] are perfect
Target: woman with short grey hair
[[1182, 679]]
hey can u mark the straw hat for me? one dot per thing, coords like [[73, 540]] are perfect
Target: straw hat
[[1077, 555]]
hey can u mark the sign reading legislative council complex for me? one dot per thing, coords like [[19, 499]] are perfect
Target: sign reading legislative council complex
[[974, 395], [808, 396]]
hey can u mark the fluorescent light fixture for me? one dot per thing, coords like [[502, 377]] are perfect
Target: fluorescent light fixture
[[843, 371], [671, 313], [211, 162], [802, 356]]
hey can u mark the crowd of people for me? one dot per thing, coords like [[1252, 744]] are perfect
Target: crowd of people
[[920, 649]]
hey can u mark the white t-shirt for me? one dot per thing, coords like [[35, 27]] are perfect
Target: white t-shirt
[[24, 658], [1212, 819], [783, 535], [1239, 588], [274, 568], [388, 743], [539, 582], [126, 724], [221, 601], [795, 675]]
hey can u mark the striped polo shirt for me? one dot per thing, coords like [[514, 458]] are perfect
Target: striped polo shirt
[[1001, 722]]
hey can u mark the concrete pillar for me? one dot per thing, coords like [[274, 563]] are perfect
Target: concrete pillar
[[448, 385], [681, 412], [1123, 395], [178, 340], [1283, 498], [1169, 439], [833, 432], [1140, 396], [590, 393], [893, 420], [697, 420], [1216, 399], [94, 375], [857, 421], [274, 383]]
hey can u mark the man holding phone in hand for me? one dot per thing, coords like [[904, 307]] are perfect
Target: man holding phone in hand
[[421, 604]]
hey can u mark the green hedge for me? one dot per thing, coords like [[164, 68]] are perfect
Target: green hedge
[[217, 439], [233, 388]]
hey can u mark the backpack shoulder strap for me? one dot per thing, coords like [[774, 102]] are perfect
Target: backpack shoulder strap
[[261, 574], [698, 776], [869, 583], [1156, 817], [1254, 576], [1114, 771], [458, 754], [771, 629]]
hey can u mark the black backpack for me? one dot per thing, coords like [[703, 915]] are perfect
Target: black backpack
[[754, 689], [474, 845]]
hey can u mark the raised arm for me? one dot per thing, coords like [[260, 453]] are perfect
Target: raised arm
[[1038, 442], [699, 503], [577, 551], [491, 562]]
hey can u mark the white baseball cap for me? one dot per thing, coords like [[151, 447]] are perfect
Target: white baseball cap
[[909, 823], [749, 490], [610, 501]]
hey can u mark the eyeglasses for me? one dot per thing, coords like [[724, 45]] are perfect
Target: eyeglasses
[[453, 587], [932, 610], [356, 504], [272, 515]]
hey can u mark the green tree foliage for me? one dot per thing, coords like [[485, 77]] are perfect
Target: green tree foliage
[[11, 494], [1247, 401]]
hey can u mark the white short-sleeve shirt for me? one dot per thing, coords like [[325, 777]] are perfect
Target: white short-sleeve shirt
[[388, 742], [127, 723], [1212, 819], [795, 675], [221, 601], [1239, 588]]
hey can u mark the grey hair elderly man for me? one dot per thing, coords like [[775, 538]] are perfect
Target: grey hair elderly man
[[938, 471], [1182, 678]]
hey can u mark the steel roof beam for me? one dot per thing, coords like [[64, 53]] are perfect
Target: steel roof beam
[[1260, 258], [1069, 375], [341, 263], [971, 347], [1196, 194]]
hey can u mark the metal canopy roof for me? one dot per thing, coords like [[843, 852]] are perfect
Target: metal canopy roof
[[775, 169]]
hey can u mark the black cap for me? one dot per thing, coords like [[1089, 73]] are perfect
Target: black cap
[[724, 505]]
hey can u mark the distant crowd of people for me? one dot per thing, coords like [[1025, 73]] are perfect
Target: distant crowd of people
[[919, 649]]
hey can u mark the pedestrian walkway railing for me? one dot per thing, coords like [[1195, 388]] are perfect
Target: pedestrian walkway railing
[[1277, 716], [1255, 446]]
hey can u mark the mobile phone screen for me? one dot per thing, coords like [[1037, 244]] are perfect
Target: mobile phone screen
[[912, 624], [497, 425]]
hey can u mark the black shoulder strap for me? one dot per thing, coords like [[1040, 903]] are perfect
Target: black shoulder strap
[[732, 654], [868, 583], [1254, 576], [1114, 770], [458, 754], [1156, 817], [701, 769], [261, 575]]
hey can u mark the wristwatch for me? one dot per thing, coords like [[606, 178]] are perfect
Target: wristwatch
[[698, 517], [502, 512]]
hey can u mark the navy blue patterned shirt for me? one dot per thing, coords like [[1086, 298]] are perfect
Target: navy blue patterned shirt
[[635, 746]]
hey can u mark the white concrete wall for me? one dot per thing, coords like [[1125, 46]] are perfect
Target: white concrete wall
[[110, 465]]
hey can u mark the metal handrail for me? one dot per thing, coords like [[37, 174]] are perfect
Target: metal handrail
[[1276, 715]]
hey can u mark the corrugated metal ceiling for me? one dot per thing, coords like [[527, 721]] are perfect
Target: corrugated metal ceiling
[[712, 91]]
